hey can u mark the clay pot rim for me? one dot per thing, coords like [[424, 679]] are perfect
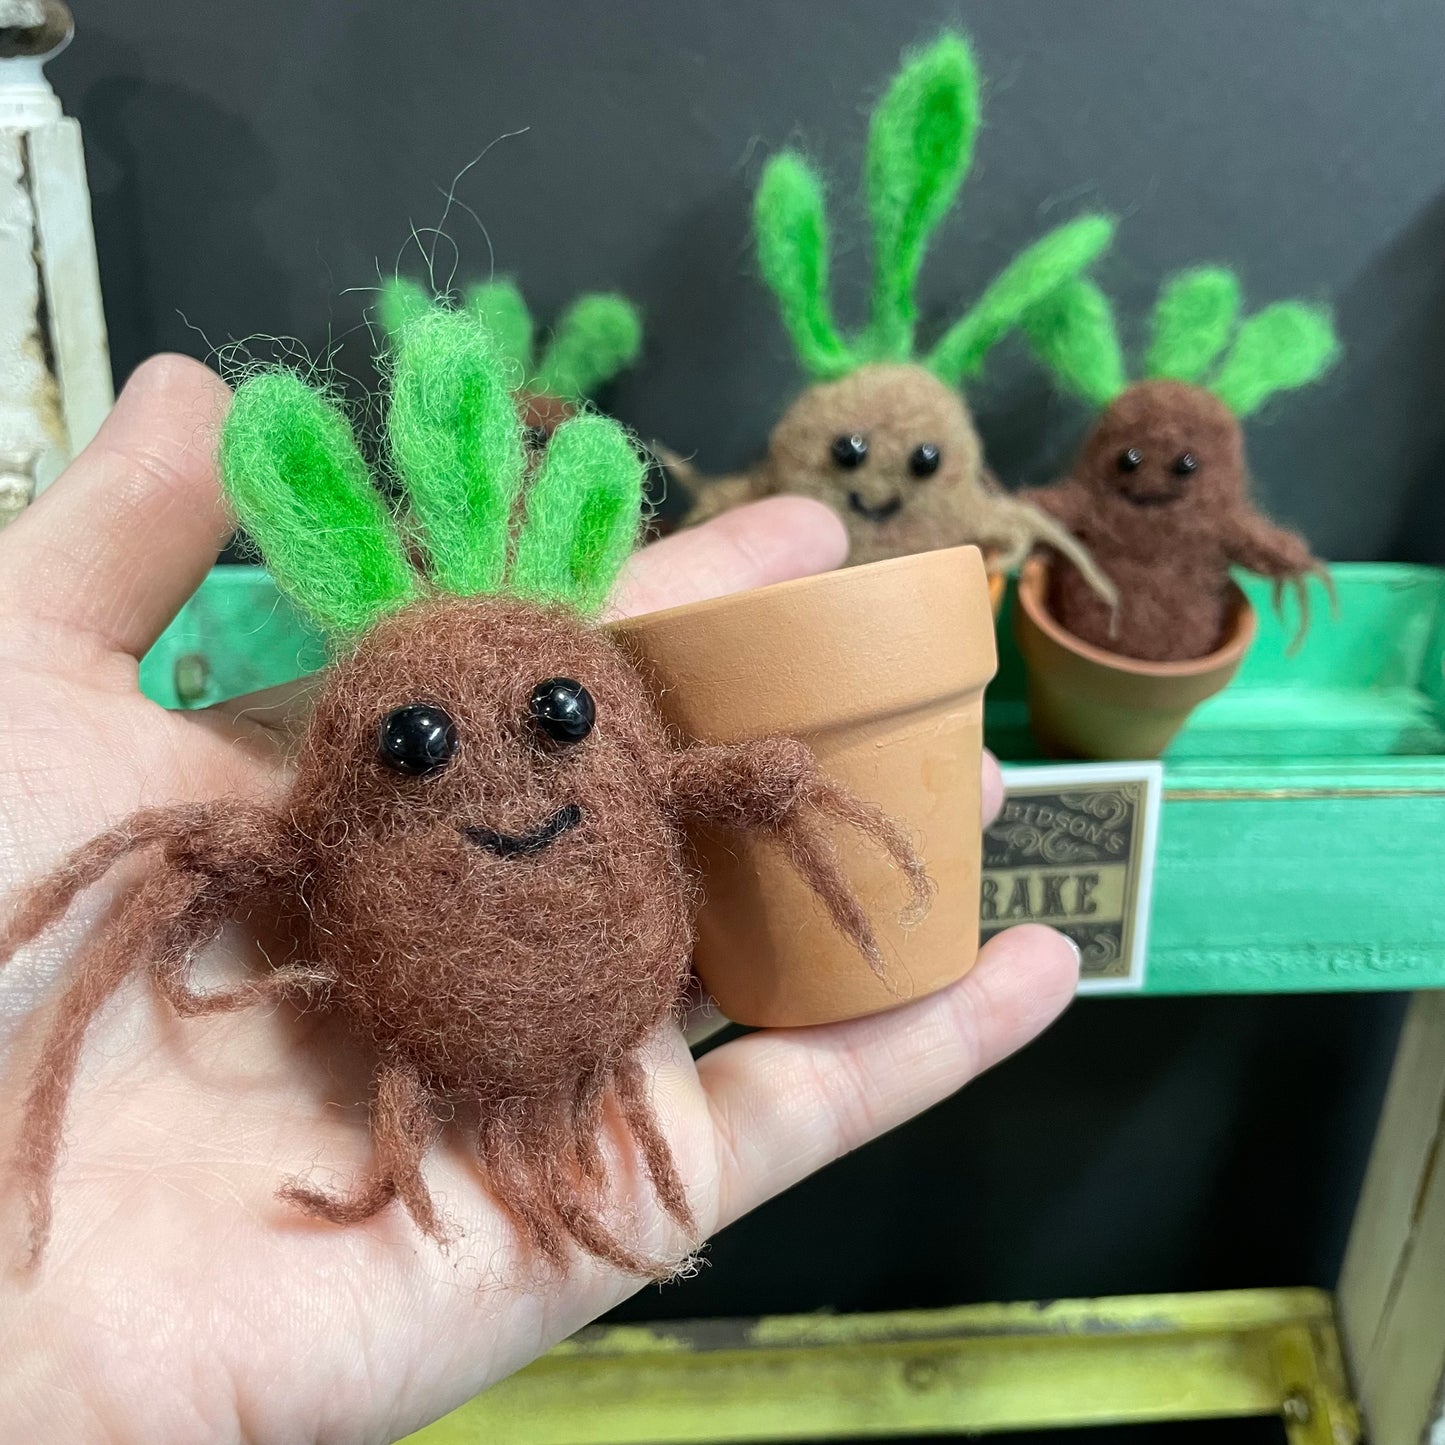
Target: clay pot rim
[[1244, 625], [839, 578]]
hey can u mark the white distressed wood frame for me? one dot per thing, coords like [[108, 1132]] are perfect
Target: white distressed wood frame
[[55, 385], [1391, 1297]]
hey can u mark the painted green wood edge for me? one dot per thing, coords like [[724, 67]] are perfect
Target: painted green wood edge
[[1302, 846], [977, 1368], [236, 635], [1367, 683]]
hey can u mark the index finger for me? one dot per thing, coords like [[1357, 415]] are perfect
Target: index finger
[[134, 523], [751, 546]]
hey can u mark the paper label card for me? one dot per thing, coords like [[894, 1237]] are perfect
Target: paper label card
[[1074, 848]]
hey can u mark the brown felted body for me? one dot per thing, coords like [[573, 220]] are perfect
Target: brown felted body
[[521, 979], [542, 413], [495, 976], [1165, 533], [889, 511]]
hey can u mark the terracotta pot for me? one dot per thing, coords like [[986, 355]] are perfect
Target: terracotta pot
[[1090, 703], [880, 670]]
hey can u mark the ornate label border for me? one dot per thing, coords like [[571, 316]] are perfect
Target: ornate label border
[[1074, 847]]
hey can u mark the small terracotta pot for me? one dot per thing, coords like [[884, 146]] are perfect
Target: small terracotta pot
[[1089, 703], [880, 670]]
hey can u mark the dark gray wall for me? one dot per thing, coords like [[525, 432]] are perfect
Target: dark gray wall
[[250, 162]]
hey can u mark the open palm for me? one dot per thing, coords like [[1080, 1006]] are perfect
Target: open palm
[[178, 1299]]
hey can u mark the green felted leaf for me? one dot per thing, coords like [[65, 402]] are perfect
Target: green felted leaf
[[597, 336], [503, 310], [402, 300], [790, 224], [583, 512], [456, 444], [1285, 346], [920, 144], [1027, 281], [1073, 333], [1193, 319], [292, 470]]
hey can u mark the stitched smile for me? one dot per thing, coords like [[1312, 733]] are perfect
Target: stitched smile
[[1150, 499], [512, 845], [875, 513]]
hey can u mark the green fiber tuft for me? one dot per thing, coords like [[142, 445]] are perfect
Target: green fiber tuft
[[1074, 335], [456, 444], [401, 301], [791, 226], [920, 144], [503, 310], [583, 512], [1193, 319], [1285, 346], [1027, 281], [290, 465], [597, 336]]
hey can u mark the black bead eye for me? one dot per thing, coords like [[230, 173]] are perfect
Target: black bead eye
[[850, 452], [925, 460], [535, 438], [418, 740], [1185, 464], [1131, 460], [562, 709]]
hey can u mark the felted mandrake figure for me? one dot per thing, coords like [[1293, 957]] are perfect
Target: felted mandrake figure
[[1160, 490], [884, 436], [480, 861]]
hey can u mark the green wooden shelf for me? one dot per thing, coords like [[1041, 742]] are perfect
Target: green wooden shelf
[[1367, 683], [1302, 843]]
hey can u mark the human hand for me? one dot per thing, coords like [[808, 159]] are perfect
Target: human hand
[[179, 1299]]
